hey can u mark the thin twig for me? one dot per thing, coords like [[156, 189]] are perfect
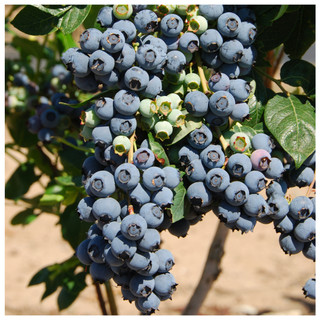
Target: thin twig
[[100, 298], [111, 299], [210, 272]]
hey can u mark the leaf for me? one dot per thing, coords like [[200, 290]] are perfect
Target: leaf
[[24, 217], [298, 73], [191, 123], [73, 18], [292, 124], [50, 199], [238, 127], [302, 35], [32, 20], [72, 228], [63, 42], [29, 47], [56, 10], [39, 277], [91, 19], [158, 150], [20, 181], [41, 160], [69, 181], [281, 12], [71, 290], [177, 208], [17, 125]]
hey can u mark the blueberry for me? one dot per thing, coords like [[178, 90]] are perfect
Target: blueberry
[[211, 40], [245, 223], [228, 24], [150, 242], [199, 195], [305, 230], [228, 213], [247, 33], [165, 284], [112, 40], [303, 176], [240, 89], [82, 253], [154, 178], [200, 138], [249, 56], [152, 213], [255, 181], [149, 57], [109, 81], [172, 177], [103, 108], [212, 59], [154, 41], [123, 125], [176, 62], [125, 58], [171, 25], [236, 193], [78, 64], [189, 42], [105, 17], [94, 231], [50, 118], [45, 135], [100, 272], [106, 209], [148, 305], [289, 244], [309, 289], [163, 197], [90, 40], [172, 43], [139, 196], [87, 83], [101, 63], [256, 206], [285, 224], [102, 184], [84, 209], [95, 249], [146, 21], [239, 165], [126, 102], [123, 248], [127, 28], [153, 88], [210, 11], [221, 103], [186, 154], [127, 176], [275, 169], [309, 250], [301, 207], [139, 261], [231, 70], [111, 230], [136, 79], [219, 82], [263, 141], [217, 180], [143, 158], [276, 187], [215, 120], [102, 136], [260, 159], [195, 171], [196, 103]]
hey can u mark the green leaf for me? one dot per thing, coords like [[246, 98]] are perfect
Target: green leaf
[[39, 277], [63, 42], [177, 208], [41, 160], [238, 127], [72, 160], [73, 18], [56, 10], [302, 35], [24, 217], [51, 199], [71, 290], [292, 124], [191, 123], [158, 150], [29, 47], [70, 195], [281, 12], [91, 19], [20, 181], [72, 228], [17, 126], [69, 181], [298, 73], [32, 20]]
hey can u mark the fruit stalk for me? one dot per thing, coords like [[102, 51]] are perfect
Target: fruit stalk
[[100, 299], [202, 76], [111, 300]]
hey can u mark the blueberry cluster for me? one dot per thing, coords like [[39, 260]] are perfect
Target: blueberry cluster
[[144, 58], [124, 240]]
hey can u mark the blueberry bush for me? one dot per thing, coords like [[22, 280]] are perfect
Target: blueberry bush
[[147, 117]]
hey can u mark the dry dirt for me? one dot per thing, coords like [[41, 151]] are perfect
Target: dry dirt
[[256, 278]]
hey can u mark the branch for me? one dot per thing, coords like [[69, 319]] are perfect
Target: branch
[[210, 272], [112, 302], [100, 298]]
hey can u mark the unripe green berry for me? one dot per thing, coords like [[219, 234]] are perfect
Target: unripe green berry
[[181, 10], [121, 145], [239, 142], [122, 11], [176, 118], [163, 130], [166, 8], [164, 105], [86, 133], [198, 24], [192, 81], [148, 108], [89, 118], [176, 100], [179, 89]]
